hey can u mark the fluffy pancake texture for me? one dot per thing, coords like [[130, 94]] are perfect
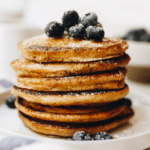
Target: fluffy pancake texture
[[66, 49], [70, 109], [67, 130], [28, 68], [103, 80], [67, 117], [65, 85], [83, 98]]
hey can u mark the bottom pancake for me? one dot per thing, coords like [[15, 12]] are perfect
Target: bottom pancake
[[67, 130]]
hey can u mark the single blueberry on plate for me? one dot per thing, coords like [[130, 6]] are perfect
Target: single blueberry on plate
[[10, 101], [102, 136], [81, 136], [128, 102], [77, 31], [89, 19], [54, 29], [70, 18], [94, 33]]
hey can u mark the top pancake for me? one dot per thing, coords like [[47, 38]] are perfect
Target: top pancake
[[66, 49]]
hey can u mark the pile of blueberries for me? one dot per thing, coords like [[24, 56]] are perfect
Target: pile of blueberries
[[85, 28], [82, 136], [140, 34]]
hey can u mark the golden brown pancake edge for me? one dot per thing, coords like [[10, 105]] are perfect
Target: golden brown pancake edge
[[28, 68], [84, 98], [72, 118], [65, 49], [104, 80], [67, 130]]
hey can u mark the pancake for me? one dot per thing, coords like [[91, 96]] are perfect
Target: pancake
[[85, 98], [70, 109], [73, 118], [28, 68], [67, 130], [105, 80], [66, 49]]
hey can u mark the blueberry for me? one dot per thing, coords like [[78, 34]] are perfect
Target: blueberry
[[148, 40], [102, 136], [94, 33], [81, 136], [10, 101], [89, 19], [54, 29], [77, 31], [70, 18], [79, 21], [137, 35], [128, 102]]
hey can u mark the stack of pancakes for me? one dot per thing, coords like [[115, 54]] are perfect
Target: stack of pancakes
[[66, 85]]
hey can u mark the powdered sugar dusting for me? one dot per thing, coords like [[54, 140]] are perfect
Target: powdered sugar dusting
[[44, 41]]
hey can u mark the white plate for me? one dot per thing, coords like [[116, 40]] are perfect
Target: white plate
[[133, 136]]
